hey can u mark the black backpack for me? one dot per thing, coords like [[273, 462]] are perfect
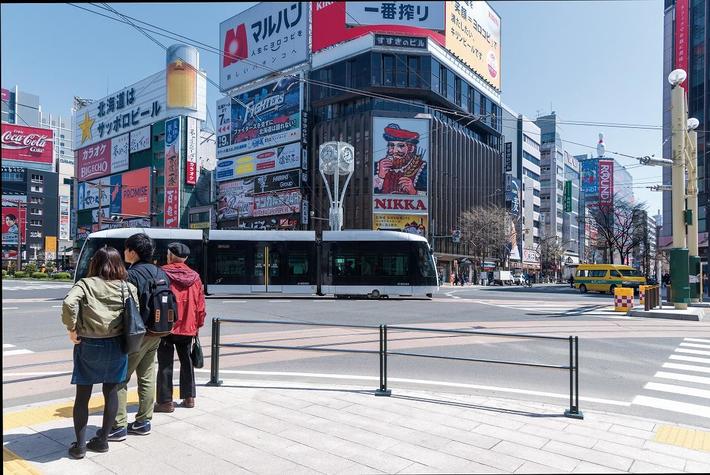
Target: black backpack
[[160, 304]]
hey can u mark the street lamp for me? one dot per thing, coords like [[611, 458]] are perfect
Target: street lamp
[[336, 159]]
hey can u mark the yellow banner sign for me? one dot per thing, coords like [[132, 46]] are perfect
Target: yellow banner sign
[[407, 223]]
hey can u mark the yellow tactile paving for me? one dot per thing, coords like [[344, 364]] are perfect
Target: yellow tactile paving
[[688, 438], [12, 464]]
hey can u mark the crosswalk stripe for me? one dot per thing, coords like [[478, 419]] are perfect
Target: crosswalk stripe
[[691, 359], [16, 352], [687, 367], [672, 388], [674, 406], [7, 345], [683, 377], [697, 340], [695, 345], [692, 352]]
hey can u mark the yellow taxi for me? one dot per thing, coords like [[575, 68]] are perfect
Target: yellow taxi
[[606, 277]]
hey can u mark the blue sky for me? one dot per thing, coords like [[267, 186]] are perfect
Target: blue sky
[[588, 61]]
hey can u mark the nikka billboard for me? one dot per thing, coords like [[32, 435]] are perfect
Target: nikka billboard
[[270, 36], [400, 156]]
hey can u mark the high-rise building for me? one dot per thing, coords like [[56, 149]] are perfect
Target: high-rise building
[[685, 46], [570, 219], [20, 107]]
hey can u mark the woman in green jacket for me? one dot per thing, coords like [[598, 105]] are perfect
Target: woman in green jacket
[[93, 314]]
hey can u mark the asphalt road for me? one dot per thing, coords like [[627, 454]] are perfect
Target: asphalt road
[[627, 365]]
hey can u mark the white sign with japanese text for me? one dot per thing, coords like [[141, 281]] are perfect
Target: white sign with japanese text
[[140, 139], [429, 15], [119, 154], [270, 36]]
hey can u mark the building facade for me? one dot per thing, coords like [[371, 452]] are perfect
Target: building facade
[[685, 46]]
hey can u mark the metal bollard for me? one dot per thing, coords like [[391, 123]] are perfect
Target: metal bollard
[[214, 357], [383, 391]]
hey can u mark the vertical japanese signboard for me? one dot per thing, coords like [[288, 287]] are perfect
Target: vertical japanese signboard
[[590, 176], [568, 196], [171, 205], [191, 152], [64, 217], [681, 36], [509, 156], [606, 183]]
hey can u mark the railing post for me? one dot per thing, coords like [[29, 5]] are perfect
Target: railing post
[[573, 410], [214, 357], [383, 391]]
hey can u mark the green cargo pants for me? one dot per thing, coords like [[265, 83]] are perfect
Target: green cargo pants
[[143, 363]]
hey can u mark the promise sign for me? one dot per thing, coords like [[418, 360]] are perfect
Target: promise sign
[[606, 182]]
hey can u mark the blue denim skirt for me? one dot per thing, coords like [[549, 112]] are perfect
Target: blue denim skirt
[[99, 360]]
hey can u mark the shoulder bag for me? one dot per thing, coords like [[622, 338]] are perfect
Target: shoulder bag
[[133, 327], [196, 356]]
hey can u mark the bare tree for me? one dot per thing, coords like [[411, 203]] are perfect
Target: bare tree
[[619, 228], [550, 249], [488, 231]]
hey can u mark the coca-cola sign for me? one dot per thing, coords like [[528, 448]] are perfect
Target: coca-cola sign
[[29, 144]]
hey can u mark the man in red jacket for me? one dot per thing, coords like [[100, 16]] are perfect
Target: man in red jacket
[[187, 287]]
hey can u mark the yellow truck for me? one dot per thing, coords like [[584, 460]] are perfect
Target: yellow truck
[[606, 277]]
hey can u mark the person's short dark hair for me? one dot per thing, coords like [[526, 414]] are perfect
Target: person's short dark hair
[[107, 263], [142, 244], [179, 249], [11, 216]]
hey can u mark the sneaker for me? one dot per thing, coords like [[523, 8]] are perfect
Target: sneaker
[[77, 452], [139, 428], [116, 435], [164, 407], [97, 445]]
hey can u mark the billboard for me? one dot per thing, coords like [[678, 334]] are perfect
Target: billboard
[[265, 38], [399, 154], [103, 158], [277, 181], [88, 193], [473, 35], [406, 223], [681, 36], [14, 181], [64, 218], [131, 108], [264, 161], [263, 117], [27, 144], [335, 22], [140, 139], [513, 188], [282, 202], [173, 154], [236, 199], [191, 152], [606, 182], [134, 197], [14, 221], [590, 176], [428, 15]]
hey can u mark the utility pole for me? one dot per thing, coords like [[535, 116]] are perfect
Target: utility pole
[[101, 210], [696, 278]]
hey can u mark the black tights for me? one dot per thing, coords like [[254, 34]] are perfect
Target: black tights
[[81, 410]]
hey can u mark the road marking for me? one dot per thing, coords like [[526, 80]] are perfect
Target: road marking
[[693, 352], [696, 410], [323, 300], [694, 345], [698, 340], [16, 352], [672, 388], [37, 373], [7, 345], [56, 306], [692, 359], [279, 301], [234, 301], [687, 367], [421, 381], [11, 308], [683, 377]]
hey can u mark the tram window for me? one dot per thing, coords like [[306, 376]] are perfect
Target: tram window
[[395, 265], [426, 266], [231, 264], [297, 264]]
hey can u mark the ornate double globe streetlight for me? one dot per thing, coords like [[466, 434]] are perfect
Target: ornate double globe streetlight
[[336, 159]]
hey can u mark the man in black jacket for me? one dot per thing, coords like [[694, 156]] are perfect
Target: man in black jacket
[[138, 252]]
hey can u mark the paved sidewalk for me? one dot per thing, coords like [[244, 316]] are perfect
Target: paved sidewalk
[[276, 427]]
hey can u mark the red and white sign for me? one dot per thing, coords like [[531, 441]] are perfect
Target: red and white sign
[[681, 36], [330, 23], [5, 95], [191, 152], [28, 144], [399, 203], [93, 161], [606, 182]]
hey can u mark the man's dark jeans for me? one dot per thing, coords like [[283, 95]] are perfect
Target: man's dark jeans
[[166, 356]]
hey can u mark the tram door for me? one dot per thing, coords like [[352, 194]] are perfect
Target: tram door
[[267, 269]]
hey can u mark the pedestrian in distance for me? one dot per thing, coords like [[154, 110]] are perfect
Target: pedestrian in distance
[[147, 277], [187, 287], [92, 311]]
